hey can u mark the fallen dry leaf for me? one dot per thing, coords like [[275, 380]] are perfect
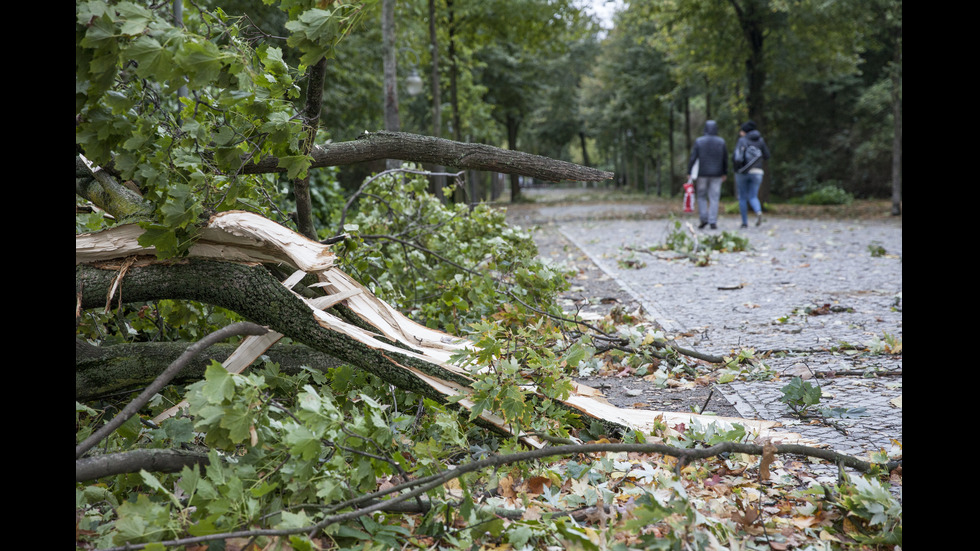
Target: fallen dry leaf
[[768, 456], [505, 487], [747, 517], [536, 484]]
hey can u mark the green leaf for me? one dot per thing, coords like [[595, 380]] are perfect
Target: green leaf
[[202, 61], [161, 238], [303, 443], [134, 18], [219, 385], [296, 165], [238, 421], [153, 60], [153, 482]]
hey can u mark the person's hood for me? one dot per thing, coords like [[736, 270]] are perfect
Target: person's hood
[[754, 136], [711, 128]]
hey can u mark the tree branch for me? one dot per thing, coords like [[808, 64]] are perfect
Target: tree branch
[[133, 407], [311, 122], [419, 486], [104, 370], [151, 460], [425, 149]]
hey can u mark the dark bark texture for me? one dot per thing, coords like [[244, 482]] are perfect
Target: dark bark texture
[[374, 146], [252, 292], [104, 370]]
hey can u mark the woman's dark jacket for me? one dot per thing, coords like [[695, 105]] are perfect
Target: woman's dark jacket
[[752, 138]]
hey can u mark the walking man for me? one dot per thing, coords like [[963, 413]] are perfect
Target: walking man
[[711, 154]]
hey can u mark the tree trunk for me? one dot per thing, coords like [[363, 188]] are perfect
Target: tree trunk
[[513, 123], [311, 123], [585, 149], [752, 16], [438, 182], [897, 121], [104, 370], [392, 121], [454, 73]]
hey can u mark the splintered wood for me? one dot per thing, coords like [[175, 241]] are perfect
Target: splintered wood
[[249, 238]]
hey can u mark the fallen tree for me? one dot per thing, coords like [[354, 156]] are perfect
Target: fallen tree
[[347, 322], [194, 159]]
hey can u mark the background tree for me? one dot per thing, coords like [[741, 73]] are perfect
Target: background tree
[[766, 61]]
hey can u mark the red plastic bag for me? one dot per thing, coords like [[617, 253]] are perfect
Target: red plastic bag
[[688, 197]]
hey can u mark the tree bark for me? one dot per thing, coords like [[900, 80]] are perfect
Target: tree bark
[[152, 460], [105, 370], [897, 121], [105, 192], [752, 18], [513, 122], [426, 149], [311, 123], [439, 181], [392, 121], [98, 186]]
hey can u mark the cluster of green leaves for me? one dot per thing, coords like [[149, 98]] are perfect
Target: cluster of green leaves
[[800, 395], [875, 514], [275, 442], [699, 247], [886, 344], [159, 321], [826, 195], [287, 452], [181, 108], [521, 370], [876, 249], [745, 365], [445, 265]]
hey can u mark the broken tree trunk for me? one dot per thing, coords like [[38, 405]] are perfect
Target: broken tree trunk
[[224, 268]]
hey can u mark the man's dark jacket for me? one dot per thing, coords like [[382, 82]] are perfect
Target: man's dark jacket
[[710, 149]]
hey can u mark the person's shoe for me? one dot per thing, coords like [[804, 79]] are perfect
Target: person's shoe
[[702, 225], [714, 226], [758, 219], [743, 226]]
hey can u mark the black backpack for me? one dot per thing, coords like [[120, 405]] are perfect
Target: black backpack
[[746, 156]]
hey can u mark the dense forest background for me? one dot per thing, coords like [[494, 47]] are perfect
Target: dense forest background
[[822, 80]]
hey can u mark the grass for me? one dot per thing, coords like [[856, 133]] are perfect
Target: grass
[[864, 209]]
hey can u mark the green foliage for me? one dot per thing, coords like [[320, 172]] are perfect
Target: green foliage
[[506, 359], [286, 441], [876, 250], [445, 265], [159, 321], [800, 396], [182, 109], [829, 194], [886, 344], [698, 247], [744, 365], [875, 514]]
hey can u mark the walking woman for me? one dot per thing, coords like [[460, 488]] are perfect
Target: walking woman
[[750, 151]]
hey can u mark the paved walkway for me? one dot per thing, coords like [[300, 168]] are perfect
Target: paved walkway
[[810, 291]]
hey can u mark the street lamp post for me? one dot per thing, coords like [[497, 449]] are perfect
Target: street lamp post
[[413, 83]]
